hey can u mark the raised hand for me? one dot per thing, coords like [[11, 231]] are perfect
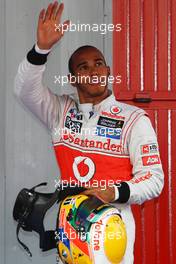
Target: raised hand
[[48, 32]]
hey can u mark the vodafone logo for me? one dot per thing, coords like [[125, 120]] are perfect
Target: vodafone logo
[[151, 160], [98, 234], [115, 110], [83, 168]]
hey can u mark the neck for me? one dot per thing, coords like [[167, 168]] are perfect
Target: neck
[[93, 99]]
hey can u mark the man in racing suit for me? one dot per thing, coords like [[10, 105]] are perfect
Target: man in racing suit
[[95, 137]]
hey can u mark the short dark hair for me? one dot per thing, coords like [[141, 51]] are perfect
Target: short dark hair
[[70, 62]]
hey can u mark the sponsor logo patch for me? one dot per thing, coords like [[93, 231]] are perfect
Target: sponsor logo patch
[[83, 168], [69, 201], [142, 178], [91, 216], [109, 122], [151, 160], [110, 115], [97, 235], [62, 218], [74, 114], [109, 132], [93, 144], [149, 148], [74, 126], [115, 110]]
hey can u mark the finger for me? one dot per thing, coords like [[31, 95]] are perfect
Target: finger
[[41, 16], [92, 189], [48, 11], [100, 198], [59, 13], [65, 27], [87, 192], [53, 10], [95, 193]]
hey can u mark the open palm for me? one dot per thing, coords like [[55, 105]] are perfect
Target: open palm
[[47, 32]]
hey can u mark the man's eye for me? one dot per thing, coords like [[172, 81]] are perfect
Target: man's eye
[[83, 68], [100, 63]]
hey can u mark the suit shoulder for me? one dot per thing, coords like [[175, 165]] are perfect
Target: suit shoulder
[[130, 108]]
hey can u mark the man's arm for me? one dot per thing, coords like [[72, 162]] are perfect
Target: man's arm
[[30, 90], [28, 82], [148, 180], [148, 176]]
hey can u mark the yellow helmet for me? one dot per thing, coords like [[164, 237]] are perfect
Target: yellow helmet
[[90, 231]]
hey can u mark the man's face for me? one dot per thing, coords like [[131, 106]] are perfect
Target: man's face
[[90, 66]]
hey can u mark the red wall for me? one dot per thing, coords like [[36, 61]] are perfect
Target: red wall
[[144, 54]]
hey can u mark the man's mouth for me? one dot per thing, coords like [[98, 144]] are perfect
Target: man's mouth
[[99, 83], [96, 81]]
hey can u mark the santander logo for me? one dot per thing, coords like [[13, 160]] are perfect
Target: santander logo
[[83, 168]]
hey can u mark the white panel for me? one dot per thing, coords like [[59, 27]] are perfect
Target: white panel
[[2, 131], [30, 158], [109, 36]]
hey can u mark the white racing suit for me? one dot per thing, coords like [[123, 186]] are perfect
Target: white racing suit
[[123, 146]]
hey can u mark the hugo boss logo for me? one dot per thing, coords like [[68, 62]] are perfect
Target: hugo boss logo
[[74, 126]]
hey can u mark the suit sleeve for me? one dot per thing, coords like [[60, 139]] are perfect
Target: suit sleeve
[[29, 89], [148, 177]]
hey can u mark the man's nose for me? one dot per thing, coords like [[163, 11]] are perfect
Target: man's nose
[[93, 71]]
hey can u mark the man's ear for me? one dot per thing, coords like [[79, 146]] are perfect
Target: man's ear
[[109, 70], [72, 79]]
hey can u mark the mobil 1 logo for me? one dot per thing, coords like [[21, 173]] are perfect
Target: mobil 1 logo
[[109, 122]]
